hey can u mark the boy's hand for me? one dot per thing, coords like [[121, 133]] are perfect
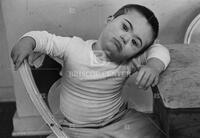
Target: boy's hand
[[148, 74], [22, 50]]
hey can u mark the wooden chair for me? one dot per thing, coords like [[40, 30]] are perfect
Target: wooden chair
[[40, 104]]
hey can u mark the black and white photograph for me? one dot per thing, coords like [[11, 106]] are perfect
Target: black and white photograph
[[100, 69]]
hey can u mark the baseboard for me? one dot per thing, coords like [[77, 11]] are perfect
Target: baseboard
[[29, 126], [7, 94]]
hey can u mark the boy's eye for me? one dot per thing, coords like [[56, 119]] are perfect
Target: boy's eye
[[134, 42], [125, 28]]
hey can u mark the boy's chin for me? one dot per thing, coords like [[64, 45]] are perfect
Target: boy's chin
[[117, 59]]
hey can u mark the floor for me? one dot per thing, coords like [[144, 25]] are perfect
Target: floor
[[7, 110]]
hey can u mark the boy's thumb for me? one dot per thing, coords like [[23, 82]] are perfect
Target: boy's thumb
[[30, 59], [19, 62]]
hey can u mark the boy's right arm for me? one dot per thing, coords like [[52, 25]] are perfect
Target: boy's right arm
[[22, 49], [42, 42]]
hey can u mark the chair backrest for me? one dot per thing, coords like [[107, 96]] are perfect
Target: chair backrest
[[192, 34], [35, 96]]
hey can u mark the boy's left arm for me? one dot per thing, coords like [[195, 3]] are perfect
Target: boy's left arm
[[157, 59]]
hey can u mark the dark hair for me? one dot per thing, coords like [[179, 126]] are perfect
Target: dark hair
[[147, 13]]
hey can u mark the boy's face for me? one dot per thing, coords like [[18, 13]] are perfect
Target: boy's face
[[124, 36]]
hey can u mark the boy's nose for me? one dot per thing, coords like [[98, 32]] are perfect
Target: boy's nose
[[125, 38]]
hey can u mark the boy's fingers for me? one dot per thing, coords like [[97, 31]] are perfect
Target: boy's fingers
[[155, 82], [14, 57], [30, 59], [17, 65], [19, 62], [149, 82], [144, 80], [139, 77]]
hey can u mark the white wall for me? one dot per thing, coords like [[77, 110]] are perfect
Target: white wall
[[86, 18], [6, 80]]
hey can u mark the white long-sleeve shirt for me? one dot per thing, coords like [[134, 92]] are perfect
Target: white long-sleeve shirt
[[90, 90]]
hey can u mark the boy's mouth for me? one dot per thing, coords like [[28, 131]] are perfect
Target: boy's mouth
[[117, 44]]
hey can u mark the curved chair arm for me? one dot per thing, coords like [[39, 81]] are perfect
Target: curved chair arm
[[36, 98], [193, 25]]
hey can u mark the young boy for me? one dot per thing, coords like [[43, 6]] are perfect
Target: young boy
[[94, 72]]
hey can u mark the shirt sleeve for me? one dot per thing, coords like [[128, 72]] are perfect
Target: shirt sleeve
[[50, 44], [160, 52], [155, 51]]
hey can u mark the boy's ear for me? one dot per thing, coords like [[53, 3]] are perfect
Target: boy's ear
[[109, 19]]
